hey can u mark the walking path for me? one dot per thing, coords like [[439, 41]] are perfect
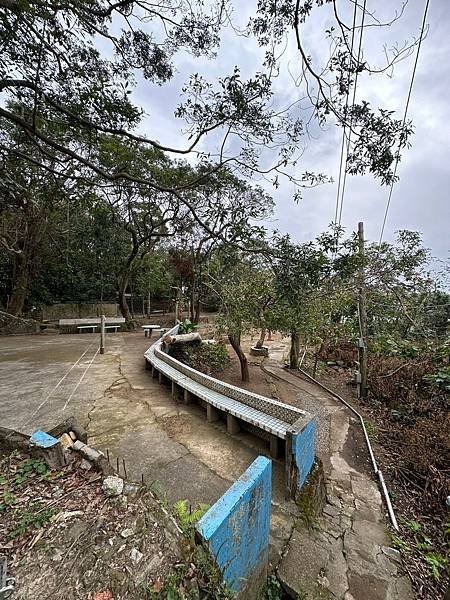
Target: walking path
[[347, 555]]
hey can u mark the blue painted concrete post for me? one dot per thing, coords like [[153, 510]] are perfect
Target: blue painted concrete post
[[304, 450], [236, 530], [48, 448]]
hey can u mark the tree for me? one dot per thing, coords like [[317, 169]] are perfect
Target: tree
[[405, 297], [153, 276], [311, 282], [29, 202], [231, 207], [243, 291], [65, 95]]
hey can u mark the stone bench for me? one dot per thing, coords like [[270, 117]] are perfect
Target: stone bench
[[148, 329], [279, 423]]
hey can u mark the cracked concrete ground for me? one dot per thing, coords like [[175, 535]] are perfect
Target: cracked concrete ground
[[46, 379]]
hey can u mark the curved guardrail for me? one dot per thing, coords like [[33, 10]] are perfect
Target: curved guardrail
[[267, 417]]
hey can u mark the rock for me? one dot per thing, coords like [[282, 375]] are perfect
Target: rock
[[70, 514], [136, 556], [90, 453], [120, 501], [66, 441], [57, 555], [86, 465], [131, 490], [392, 553], [112, 486], [78, 445], [73, 436], [126, 533]]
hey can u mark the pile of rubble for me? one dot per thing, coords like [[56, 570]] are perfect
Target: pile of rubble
[[72, 528]]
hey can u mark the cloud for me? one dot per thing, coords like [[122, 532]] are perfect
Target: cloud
[[420, 199]]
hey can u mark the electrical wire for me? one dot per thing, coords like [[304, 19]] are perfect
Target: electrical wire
[[427, 4], [341, 160], [353, 105]]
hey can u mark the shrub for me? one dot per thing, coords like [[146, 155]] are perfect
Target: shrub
[[207, 358]]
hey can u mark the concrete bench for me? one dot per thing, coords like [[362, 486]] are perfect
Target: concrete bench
[[148, 329], [282, 425], [115, 327], [82, 327]]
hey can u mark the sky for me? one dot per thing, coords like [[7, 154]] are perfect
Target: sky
[[420, 199]]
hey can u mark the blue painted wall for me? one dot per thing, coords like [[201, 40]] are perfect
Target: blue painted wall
[[304, 450], [236, 527]]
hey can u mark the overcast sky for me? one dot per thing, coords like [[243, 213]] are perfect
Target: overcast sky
[[421, 198]]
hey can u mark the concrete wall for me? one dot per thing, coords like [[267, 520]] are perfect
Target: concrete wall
[[236, 530], [79, 311], [303, 447]]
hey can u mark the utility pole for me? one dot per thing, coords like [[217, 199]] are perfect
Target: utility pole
[[362, 314]]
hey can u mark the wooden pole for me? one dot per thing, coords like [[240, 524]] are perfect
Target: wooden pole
[[362, 310], [102, 335]]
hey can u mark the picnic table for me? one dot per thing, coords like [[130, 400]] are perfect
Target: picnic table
[[82, 327]]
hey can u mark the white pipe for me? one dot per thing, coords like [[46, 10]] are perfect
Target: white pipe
[[369, 447]]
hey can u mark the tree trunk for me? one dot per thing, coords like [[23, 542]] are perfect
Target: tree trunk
[[183, 338], [294, 354], [197, 310], [20, 288], [262, 337], [235, 342], [124, 278], [316, 359], [123, 304], [192, 303], [148, 304]]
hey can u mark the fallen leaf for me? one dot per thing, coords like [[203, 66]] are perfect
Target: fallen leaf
[[104, 596]]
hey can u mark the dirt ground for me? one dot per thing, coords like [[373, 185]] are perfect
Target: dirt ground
[[63, 538]]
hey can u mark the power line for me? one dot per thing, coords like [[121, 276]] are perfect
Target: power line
[[346, 108], [404, 120], [353, 105]]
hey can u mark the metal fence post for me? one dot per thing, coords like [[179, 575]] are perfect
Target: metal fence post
[[102, 335]]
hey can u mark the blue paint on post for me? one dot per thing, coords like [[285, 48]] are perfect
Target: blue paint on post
[[43, 440], [304, 450], [236, 527]]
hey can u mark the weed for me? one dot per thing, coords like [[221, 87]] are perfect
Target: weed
[[425, 543], [7, 500], [273, 589], [36, 518], [186, 516], [437, 563], [372, 431], [400, 544], [441, 378], [186, 327], [29, 468], [413, 526]]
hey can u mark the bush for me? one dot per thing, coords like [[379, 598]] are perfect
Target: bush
[[207, 358]]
